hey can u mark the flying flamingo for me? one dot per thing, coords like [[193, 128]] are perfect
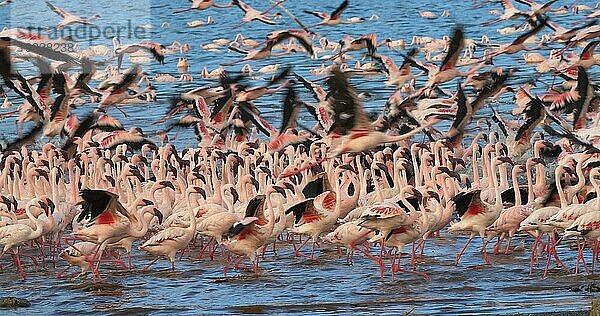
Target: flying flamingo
[[332, 19], [251, 14], [203, 5], [68, 18]]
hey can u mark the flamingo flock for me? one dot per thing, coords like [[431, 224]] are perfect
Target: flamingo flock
[[87, 189]]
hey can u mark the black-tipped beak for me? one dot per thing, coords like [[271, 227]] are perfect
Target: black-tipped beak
[[280, 190], [158, 215], [424, 146], [347, 167], [44, 206], [460, 161], [454, 174], [43, 173], [167, 184], [51, 205], [255, 183], [239, 160], [110, 179], [235, 194], [434, 195], [417, 193], [506, 159], [289, 186], [139, 175], [252, 145], [200, 191], [444, 170], [592, 150], [539, 160]]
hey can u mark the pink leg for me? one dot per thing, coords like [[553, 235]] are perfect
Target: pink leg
[[381, 266], [549, 246], [462, 251], [507, 249], [412, 257], [555, 254], [149, 265], [256, 265], [275, 247], [497, 246], [594, 254], [19, 266], [297, 250], [484, 252], [393, 269], [399, 269], [533, 254]]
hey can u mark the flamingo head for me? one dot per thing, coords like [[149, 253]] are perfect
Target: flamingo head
[[280, 190]]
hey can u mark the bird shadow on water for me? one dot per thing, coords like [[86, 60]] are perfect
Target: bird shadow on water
[[101, 288]]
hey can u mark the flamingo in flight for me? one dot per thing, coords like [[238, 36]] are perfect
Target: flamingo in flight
[[157, 50], [265, 52], [203, 5], [332, 19], [252, 14], [69, 18]]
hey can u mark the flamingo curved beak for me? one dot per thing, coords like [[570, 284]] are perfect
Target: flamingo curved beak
[[280, 190]]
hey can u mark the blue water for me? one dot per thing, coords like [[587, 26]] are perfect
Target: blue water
[[287, 284]]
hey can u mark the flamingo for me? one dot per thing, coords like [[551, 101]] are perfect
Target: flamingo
[[203, 5], [256, 54], [156, 49], [349, 235], [69, 18], [332, 19], [318, 214], [251, 14], [15, 235], [169, 241], [588, 224], [248, 236], [475, 214]]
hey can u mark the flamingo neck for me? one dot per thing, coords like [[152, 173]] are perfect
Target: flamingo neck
[[530, 191], [516, 188]]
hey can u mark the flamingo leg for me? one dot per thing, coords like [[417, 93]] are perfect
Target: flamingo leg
[[422, 243], [297, 250], [380, 261], [549, 255], [507, 249], [19, 266], [533, 254], [399, 269], [462, 251], [555, 254], [497, 246], [594, 249], [229, 263], [484, 252], [150, 264], [393, 268]]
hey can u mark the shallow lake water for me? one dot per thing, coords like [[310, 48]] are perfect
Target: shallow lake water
[[287, 284]]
